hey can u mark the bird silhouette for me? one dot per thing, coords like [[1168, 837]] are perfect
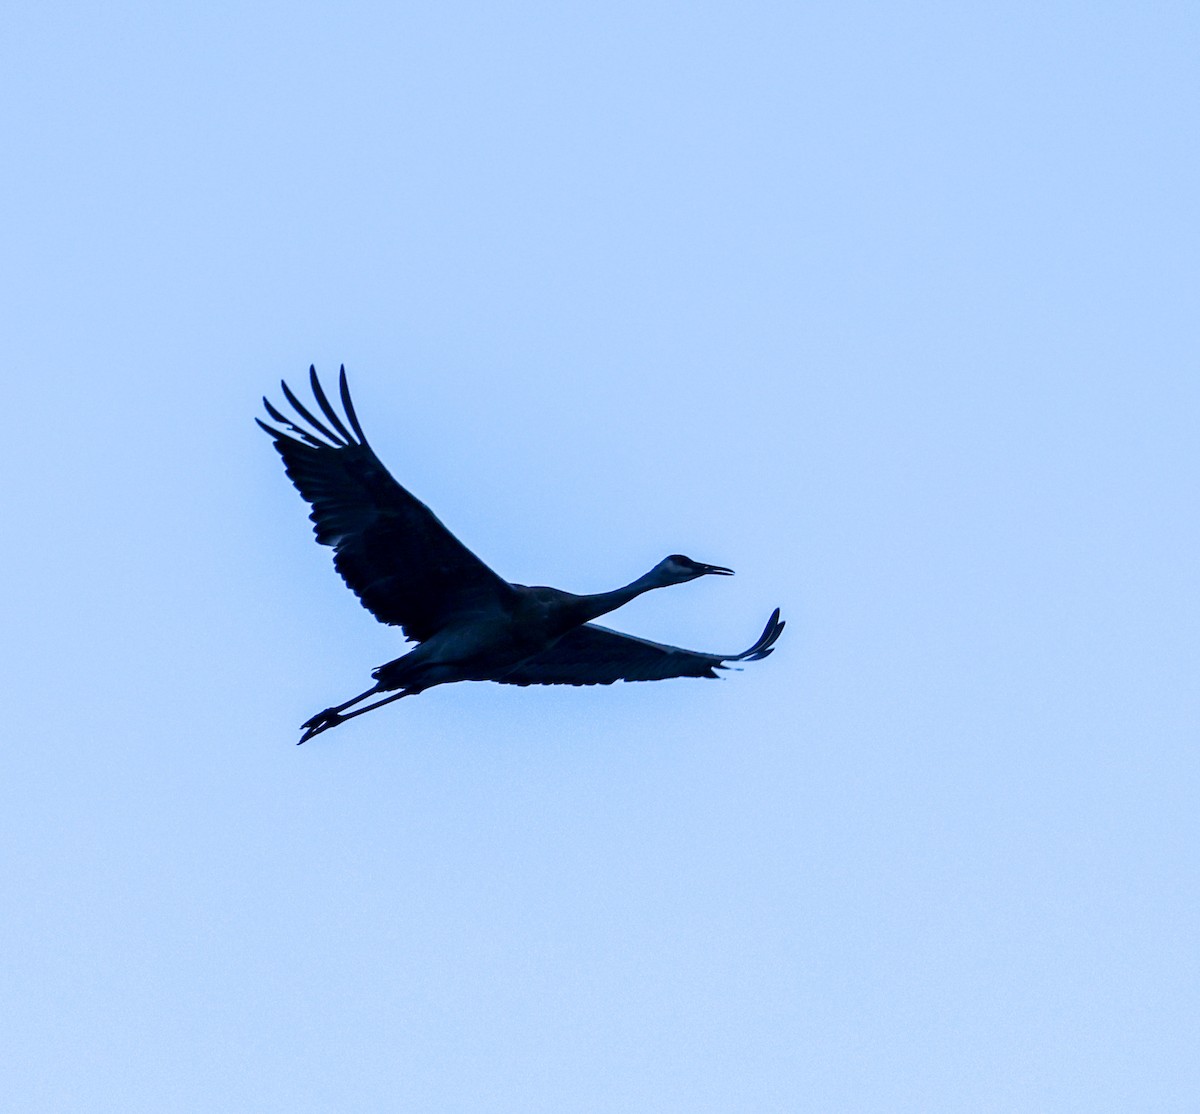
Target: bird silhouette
[[409, 571]]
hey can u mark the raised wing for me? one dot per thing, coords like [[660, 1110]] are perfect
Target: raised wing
[[402, 563], [592, 655]]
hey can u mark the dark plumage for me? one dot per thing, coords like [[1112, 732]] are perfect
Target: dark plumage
[[410, 571]]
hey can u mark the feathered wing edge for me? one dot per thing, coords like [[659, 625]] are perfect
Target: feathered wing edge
[[342, 439], [594, 655]]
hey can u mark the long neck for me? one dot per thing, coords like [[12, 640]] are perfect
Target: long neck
[[592, 607]]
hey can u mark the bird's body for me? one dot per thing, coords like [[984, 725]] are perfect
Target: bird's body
[[487, 647], [471, 625]]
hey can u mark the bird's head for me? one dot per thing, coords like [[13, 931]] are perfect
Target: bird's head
[[678, 569]]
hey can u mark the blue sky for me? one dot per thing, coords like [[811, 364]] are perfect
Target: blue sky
[[891, 308]]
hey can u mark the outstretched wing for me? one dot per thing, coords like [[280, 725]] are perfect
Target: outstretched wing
[[592, 655], [402, 563]]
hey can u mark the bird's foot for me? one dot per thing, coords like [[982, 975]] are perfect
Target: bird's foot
[[322, 721]]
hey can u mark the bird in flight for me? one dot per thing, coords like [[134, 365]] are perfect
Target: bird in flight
[[409, 571]]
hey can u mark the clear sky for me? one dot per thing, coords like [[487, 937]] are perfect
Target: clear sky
[[890, 307]]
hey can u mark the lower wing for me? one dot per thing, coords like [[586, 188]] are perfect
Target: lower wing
[[592, 655]]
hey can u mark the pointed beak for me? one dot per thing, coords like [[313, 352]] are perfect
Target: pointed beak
[[716, 570]]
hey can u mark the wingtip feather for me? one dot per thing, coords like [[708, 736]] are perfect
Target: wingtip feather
[[287, 422], [348, 405], [300, 409], [329, 412]]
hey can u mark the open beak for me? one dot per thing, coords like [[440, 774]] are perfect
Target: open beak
[[717, 570]]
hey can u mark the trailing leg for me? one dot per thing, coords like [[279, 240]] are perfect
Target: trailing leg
[[331, 717]]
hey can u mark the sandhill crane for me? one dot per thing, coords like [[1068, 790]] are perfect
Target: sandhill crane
[[409, 571]]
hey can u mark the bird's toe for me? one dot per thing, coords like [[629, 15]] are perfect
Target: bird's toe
[[322, 721]]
